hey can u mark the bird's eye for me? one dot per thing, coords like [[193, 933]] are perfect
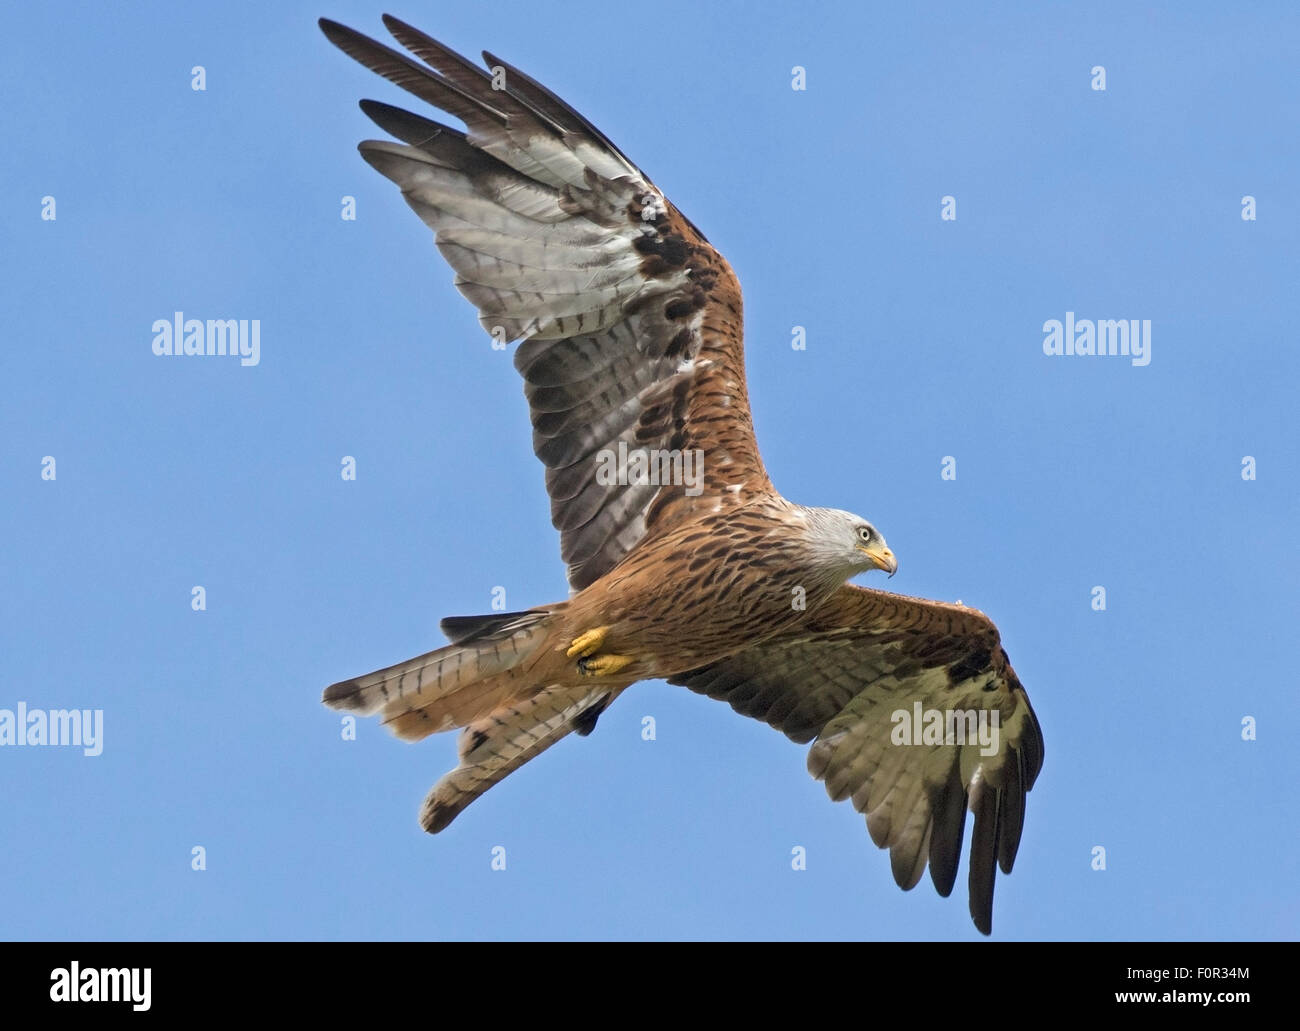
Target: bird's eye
[[865, 534]]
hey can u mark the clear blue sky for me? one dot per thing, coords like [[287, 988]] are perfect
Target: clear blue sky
[[924, 340]]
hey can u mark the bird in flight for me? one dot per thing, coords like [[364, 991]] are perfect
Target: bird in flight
[[684, 563]]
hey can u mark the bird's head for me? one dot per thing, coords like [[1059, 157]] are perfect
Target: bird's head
[[848, 542]]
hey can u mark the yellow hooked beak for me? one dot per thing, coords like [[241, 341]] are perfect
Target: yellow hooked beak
[[882, 557]]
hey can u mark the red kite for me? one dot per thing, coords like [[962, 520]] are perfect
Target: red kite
[[684, 561]]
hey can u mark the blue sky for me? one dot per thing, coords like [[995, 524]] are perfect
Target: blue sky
[[924, 341]]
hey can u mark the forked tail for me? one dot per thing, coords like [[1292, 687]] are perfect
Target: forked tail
[[476, 683]]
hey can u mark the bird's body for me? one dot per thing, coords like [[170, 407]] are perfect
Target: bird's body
[[707, 588], [715, 584], [631, 328]]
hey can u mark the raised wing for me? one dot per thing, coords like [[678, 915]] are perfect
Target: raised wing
[[631, 322], [863, 676]]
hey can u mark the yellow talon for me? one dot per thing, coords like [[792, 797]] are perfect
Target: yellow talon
[[604, 665], [587, 643]]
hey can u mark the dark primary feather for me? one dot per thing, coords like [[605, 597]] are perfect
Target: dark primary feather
[[839, 676], [630, 321]]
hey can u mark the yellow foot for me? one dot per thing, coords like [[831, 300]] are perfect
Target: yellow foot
[[587, 643], [604, 665]]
